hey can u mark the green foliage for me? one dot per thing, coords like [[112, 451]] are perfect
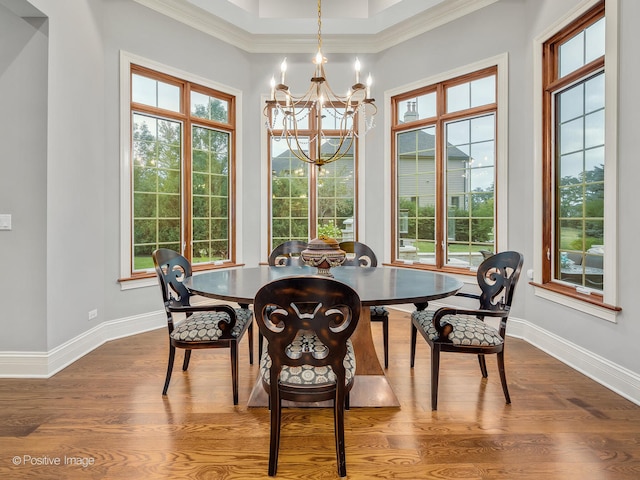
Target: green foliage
[[329, 230], [581, 201], [475, 225]]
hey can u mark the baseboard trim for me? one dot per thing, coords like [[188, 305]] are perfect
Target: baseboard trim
[[619, 379], [47, 364]]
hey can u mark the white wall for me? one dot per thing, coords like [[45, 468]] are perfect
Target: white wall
[[82, 157]]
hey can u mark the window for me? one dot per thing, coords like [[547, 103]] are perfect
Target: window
[[443, 139], [574, 155], [181, 172], [305, 200]]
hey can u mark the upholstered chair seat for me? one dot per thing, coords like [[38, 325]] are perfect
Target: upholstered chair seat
[[308, 374], [205, 326]]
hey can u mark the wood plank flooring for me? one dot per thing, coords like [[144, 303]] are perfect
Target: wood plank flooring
[[104, 418]]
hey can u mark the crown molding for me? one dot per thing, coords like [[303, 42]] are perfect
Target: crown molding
[[185, 12]]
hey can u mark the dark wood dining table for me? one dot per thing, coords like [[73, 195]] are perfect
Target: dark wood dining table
[[375, 286]]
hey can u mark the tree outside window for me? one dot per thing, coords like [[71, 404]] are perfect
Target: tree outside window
[[181, 170]]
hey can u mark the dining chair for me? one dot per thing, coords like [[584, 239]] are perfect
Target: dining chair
[[452, 329], [307, 322], [287, 253], [486, 254], [361, 255], [203, 326]]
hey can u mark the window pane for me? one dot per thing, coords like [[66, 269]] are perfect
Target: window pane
[[583, 48], [155, 93], [210, 183], [471, 94], [580, 186], [571, 168], [483, 91], [470, 179], [336, 193], [594, 129], [211, 108], [572, 103], [571, 54], [594, 41], [571, 136], [289, 193], [143, 90], [416, 183], [417, 108], [458, 97], [594, 89], [156, 186]]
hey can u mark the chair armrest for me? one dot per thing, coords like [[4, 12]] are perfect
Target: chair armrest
[[189, 309], [444, 328]]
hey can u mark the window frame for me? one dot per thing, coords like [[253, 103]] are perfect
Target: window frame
[[600, 304], [128, 63], [450, 78]]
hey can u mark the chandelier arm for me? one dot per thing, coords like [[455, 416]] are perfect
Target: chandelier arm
[[299, 151], [340, 152]]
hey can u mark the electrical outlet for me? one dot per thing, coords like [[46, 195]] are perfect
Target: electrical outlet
[[93, 314]]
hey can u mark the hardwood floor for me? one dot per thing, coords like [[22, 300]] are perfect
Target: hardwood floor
[[106, 411]]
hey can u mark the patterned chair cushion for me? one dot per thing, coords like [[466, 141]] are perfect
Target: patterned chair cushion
[[379, 311], [467, 329], [308, 374], [203, 326]]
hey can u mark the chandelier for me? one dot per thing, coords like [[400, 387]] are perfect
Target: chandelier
[[320, 117]]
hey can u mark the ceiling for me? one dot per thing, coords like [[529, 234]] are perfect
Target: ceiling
[[364, 26]]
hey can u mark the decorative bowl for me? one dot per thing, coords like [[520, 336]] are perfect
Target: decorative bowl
[[323, 253]]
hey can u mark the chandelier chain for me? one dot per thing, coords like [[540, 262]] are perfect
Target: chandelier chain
[[319, 25], [320, 117]]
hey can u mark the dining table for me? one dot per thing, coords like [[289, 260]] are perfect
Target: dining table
[[384, 285]]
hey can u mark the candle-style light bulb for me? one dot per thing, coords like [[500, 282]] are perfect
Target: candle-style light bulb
[[318, 61], [357, 67], [283, 69]]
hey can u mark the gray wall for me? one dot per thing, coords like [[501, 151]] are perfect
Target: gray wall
[[23, 181], [77, 89]]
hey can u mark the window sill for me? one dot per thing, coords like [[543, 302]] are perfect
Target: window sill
[[591, 304], [465, 275], [149, 278]]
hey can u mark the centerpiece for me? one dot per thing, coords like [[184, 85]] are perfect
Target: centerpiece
[[323, 253]]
